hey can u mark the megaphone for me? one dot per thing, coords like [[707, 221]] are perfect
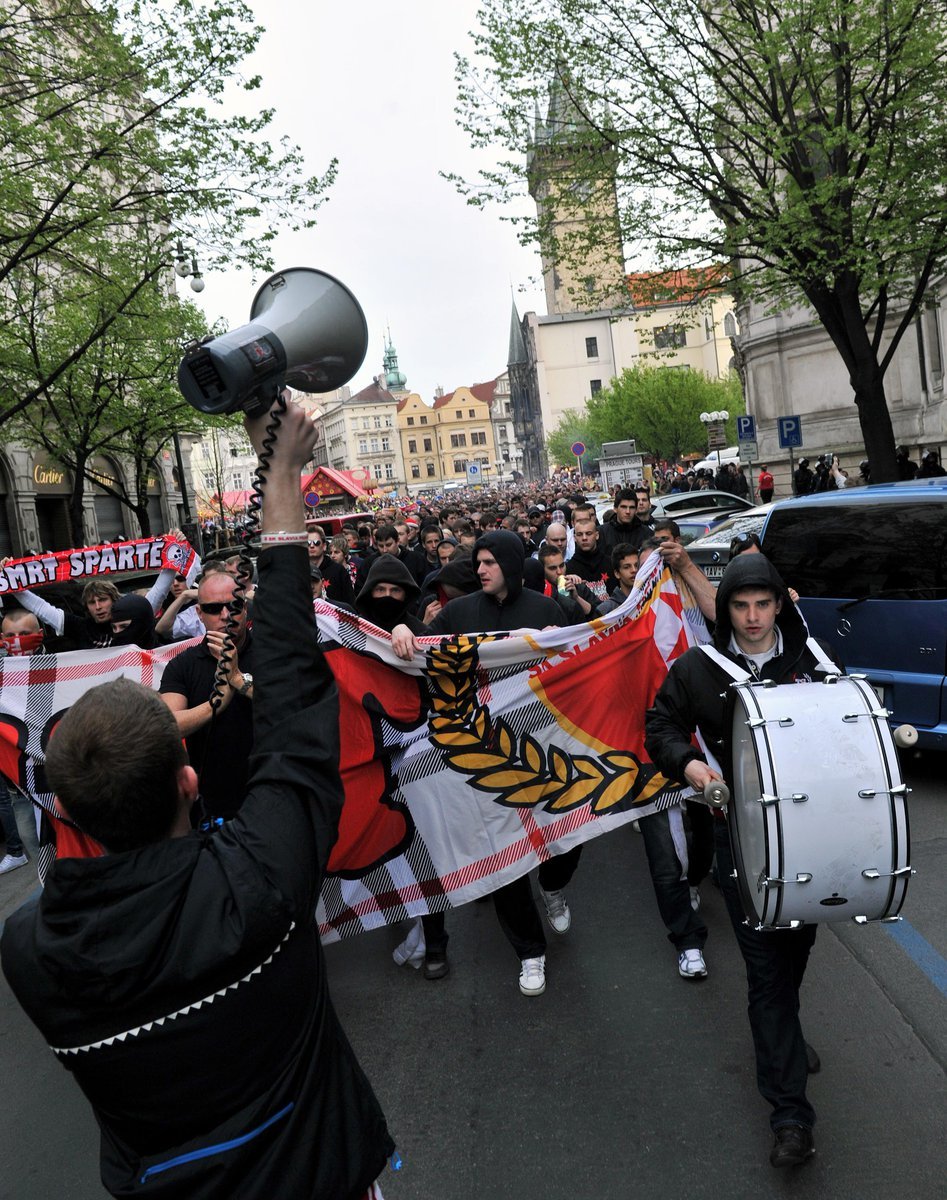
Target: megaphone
[[306, 331]]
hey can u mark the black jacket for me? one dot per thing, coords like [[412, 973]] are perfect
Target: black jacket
[[184, 984], [694, 693], [521, 609], [596, 569]]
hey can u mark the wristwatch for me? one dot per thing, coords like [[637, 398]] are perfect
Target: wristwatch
[[244, 688]]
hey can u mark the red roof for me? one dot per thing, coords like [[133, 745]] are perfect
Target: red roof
[[480, 391], [675, 287], [326, 481]]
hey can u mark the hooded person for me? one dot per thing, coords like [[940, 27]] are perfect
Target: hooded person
[[456, 578], [758, 629], [133, 622], [501, 603], [389, 594]]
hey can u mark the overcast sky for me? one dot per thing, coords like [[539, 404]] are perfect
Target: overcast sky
[[372, 83]]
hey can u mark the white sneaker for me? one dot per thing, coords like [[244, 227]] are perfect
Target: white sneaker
[[695, 899], [691, 965], [533, 976], [557, 911], [10, 862]]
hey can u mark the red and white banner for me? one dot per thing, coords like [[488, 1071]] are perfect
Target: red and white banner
[[60, 566], [462, 770]]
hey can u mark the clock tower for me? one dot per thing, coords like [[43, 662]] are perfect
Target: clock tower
[[571, 167]]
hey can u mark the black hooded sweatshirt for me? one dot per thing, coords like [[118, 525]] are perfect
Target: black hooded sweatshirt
[[385, 612], [481, 613], [184, 983], [694, 693]]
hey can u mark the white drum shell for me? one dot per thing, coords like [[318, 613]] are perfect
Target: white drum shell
[[807, 846]]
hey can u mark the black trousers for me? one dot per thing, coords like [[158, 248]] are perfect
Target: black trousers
[[515, 908], [775, 964]]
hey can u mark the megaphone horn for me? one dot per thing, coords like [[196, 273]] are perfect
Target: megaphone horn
[[306, 330]]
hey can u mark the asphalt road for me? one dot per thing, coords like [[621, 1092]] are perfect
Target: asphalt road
[[623, 1080]]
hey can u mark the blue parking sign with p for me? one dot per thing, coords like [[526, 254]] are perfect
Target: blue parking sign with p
[[790, 432], [746, 429]]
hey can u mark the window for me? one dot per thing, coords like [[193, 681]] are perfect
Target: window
[[413, 446], [209, 482], [377, 422], [362, 446], [670, 337], [591, 347], [424, 420], [389, 470], [459, 414], [430, 470], [595, 386], [472, 413], [460, 464], [386, 443], [427, 444], [377, 470], [415, 471], [234, 452], [478, 438], [410, 420], [862, 550], [388, 421], [374, 445], [364, 422], [457, 440]]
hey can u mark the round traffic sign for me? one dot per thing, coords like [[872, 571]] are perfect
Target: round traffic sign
[[312, 499], [578, 449]]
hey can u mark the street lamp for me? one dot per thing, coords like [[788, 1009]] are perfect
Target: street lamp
[[716, 433], [183, 271]]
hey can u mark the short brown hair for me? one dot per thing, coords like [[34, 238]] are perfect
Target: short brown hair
[[113, 761], [100, 587]]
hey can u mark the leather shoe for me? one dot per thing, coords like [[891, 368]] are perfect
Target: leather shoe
[[436, 965], [813, 1062], [793, 1145]]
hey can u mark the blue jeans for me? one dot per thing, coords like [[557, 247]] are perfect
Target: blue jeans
[[775, 964], [11, 834]]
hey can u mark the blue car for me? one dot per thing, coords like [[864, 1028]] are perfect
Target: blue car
[[870, 567]]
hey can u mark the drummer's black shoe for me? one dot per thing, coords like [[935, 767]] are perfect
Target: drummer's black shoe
[[793, 1146], [813, 1062]]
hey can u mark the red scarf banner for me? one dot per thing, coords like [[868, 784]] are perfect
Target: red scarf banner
[[60, 566]]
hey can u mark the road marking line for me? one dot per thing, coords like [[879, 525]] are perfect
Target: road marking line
[[921, 952]]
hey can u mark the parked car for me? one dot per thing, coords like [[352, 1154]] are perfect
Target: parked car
[[870, 566], [716, 457], [722, 504], [712, 551]]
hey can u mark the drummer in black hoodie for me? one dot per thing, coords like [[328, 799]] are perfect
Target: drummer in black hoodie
[[503, 604], [759, 630]]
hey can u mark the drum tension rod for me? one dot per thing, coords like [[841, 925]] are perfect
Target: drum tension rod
[[874, 873], [801, 877], [797, 798], [759, 722], [900, 789], [879, 714], [860, 920]]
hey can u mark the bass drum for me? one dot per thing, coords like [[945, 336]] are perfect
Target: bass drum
[[818, 820]]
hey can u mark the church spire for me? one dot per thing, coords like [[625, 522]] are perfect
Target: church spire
[[395, 380]]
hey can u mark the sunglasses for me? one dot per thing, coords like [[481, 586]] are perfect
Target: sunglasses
[[214, 608], [316, 542]]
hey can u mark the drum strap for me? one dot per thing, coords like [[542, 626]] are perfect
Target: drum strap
[[726, 664], [823, 663]]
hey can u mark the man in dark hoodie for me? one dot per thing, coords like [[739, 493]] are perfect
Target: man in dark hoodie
[[759, 630], [180, 976], [590, 561], [503, 604]]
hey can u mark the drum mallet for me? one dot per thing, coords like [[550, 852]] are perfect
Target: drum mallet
[[717, 794], [905, 736]]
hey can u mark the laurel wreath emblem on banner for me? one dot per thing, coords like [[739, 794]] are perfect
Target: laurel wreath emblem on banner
[[518, 770]]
